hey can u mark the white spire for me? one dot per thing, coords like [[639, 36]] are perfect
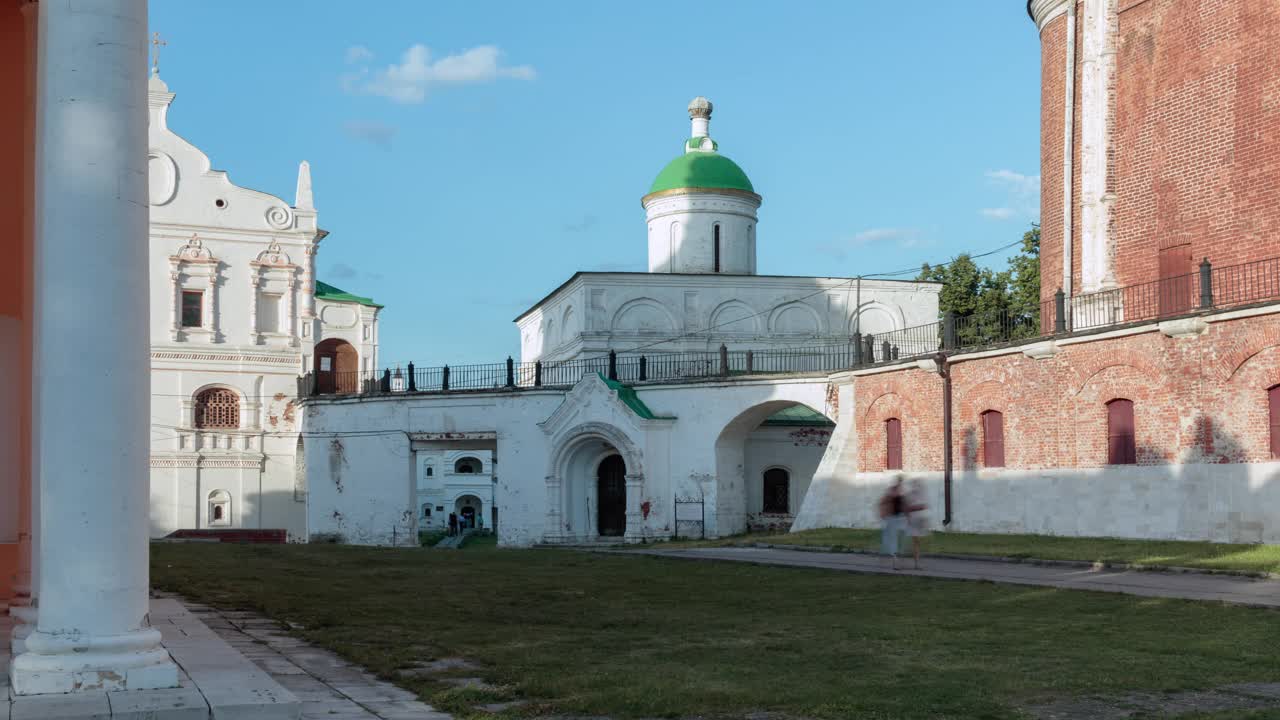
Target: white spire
[[303, 200], [700, 114]]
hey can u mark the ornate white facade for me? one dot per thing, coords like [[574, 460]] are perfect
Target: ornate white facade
[[236, 317], [455, 481]]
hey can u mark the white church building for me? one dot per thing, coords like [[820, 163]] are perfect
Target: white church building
[[579, 456], [237, 315]]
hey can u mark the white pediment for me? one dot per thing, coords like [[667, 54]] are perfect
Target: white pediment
[[184, 189], [590, 401]]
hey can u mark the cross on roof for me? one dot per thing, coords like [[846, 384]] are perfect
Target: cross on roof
[[156, 44]]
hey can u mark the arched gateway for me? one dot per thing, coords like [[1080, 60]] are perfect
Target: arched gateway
[[593, 486]]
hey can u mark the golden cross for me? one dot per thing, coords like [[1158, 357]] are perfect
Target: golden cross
[[156, 44]]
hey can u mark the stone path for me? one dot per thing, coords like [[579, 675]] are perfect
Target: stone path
[[328, 686], [1192, 586]]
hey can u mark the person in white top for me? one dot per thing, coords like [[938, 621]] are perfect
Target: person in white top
[[917, 518]]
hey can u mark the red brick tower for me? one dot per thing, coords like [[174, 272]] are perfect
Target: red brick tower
[[1170, 152]]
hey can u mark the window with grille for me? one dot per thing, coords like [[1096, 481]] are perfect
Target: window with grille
[[192, 308], [893, 444], [1273, 399], [777, 491], [992, 439], [218, 408], [1121, 449]]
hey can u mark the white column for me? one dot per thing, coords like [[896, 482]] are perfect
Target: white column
[[291, 327], [555, 525], [175, 304], [635, 518], [91, 200], [211, 307], [1096, 67], [253, 307]]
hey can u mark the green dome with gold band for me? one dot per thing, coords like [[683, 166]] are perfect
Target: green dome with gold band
[[701, 169]]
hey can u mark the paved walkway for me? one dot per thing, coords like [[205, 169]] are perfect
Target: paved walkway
[[328, 686], [1192, 586]]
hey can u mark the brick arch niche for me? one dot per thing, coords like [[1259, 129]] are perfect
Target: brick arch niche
[[336, 367]]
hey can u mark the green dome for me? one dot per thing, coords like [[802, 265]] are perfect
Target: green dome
[[701, 169]]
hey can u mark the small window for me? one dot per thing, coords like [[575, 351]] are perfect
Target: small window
[[192, 308], [1121, 449], [1273, 398], [426, 511], [467, 465], [269, 313], [219, 508], [430, 471], [992, 439], [717, 247], [777, 491], [217, 408], [893, 444]]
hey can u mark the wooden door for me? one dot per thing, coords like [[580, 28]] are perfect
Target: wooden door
[[611, 497], [1177, 280]]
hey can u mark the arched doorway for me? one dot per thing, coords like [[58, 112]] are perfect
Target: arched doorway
[[337, 368], [468, 509], [611, 497], [766, 458]]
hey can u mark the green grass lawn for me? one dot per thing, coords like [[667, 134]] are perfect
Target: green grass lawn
[[639, 636], [1155, 553]]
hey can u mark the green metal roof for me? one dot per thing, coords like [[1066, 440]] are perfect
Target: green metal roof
[[798, 415], [629, 398], [701, 169], [325, 291]]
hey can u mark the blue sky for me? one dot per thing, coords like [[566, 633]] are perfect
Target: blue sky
[[469, 157]]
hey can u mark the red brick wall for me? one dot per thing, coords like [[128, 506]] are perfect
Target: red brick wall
[[1197, 132], [1201, 399], [1052, 69], [1195, 141]]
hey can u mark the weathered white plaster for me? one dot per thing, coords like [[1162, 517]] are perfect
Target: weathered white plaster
[[253, 257], [548, 444], [92, 631], [1097, 65]]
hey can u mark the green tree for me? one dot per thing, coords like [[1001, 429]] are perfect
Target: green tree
[[989, 306]]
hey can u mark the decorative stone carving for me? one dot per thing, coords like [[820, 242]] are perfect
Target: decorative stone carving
[[279, 218]]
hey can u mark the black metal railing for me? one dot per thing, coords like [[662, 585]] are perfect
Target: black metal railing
[[1206, 290]]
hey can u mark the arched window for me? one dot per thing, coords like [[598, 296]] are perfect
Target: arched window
[[430, 471], [217, 408], [426, 511], [1121, 448], [1273, 401], [893, 444], [777, 491], [467, 465], [717, 248], [219, 508], [992, 439]]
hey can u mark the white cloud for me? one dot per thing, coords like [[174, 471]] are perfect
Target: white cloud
[[371, 131], [358, 54], [1016, 182], [1021, 195], [897, 237], [906, 237], [417, 73]]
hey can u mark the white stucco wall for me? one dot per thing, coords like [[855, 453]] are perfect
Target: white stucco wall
[[681, 230], [362, 469], [621, 311], [248, 253], [798, 450]]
